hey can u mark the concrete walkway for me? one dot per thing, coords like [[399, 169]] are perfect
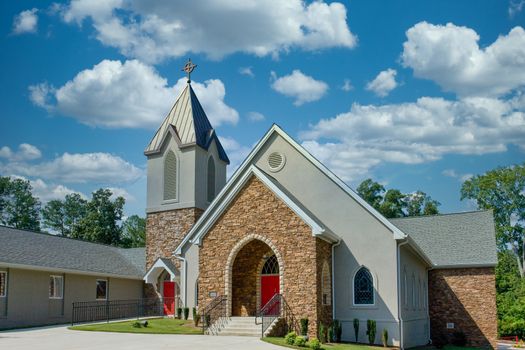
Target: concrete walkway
[[60, 338]]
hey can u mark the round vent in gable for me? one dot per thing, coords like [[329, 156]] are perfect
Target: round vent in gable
[[276, 161]]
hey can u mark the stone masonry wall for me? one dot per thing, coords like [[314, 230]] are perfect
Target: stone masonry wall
[[165, 230], [257, 211], [467, 298]]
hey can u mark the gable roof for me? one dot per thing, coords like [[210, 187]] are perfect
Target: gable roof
[[454, 240], [247, 164], [190, 123], [200, 228], [41, 251]]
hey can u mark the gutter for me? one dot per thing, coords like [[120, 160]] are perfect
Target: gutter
[[400, 317], [333, 277], [185, 265]]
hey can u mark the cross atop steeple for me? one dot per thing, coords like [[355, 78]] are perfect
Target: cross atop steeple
[[188, 68]]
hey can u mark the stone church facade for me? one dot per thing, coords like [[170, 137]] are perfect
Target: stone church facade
[[283, 224]]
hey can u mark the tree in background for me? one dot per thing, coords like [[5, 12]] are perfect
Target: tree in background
[[134, 232], [18, 207], [101, 221], [503, 190], [393, 203], [64, 216], [510, 297]]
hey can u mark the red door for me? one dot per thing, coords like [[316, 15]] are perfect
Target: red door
[[269, 287], [169, 298]]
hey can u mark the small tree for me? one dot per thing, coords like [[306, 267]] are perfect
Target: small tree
[[384, 337], [371, 331], [356, 329]]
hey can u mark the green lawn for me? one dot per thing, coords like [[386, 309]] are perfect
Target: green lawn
[[345, 346], [351, 346], [155, 325]]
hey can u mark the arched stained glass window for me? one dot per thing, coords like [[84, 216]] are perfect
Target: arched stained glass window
[[170, 176], [211, 179], [363, 287], [271, 266]]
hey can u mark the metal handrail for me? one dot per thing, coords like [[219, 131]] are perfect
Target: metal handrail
[[275, 308], [213, 312]]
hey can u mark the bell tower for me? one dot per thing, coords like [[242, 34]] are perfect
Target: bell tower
[[186, 169]]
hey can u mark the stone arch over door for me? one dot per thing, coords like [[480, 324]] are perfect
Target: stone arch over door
[[261, 241]]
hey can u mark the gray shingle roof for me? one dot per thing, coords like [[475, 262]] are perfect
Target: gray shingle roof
[[459, 239], [54, 252]]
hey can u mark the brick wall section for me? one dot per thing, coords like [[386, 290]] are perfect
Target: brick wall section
[[165, 230], [324, 253], [466, 297], [256, 210]]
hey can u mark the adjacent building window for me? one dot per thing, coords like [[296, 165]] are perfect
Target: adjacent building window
[[170, 176], [211, 179], [102, 289], [363, 287], [3, 283], [56, 287], [326, 284]]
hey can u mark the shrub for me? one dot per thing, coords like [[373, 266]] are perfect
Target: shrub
[[196, 319], [290, 338], [323, 333], [371, 331], [356, 329], [194, 312], [331, 336], [304, 326], [384, 337], [459, 339], [179, 313], [338, 330], [136, 324], [186, 312], [315, 344], [300, 341], [207, 320]]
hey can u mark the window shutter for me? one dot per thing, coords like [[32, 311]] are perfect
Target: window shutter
[[170, 176]]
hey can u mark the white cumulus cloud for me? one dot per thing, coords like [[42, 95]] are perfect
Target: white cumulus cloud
[[256, 116], [25, 152], [383, 83], [354, 142], [347, 85], [26, 22], [127, 95], [246, 71], [301, 87], [155, 30], [236, 152], [451, 56]]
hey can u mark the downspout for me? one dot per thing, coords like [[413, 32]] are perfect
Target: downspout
[[184, 264], [401, 335], [428, 307], [333, 277]]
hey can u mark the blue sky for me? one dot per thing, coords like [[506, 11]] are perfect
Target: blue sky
[[418, 95]]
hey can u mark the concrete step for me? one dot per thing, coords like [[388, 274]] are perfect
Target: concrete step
[[241, 326]]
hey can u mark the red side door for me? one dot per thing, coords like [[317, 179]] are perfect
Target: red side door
[[269, 287], [169, 298]]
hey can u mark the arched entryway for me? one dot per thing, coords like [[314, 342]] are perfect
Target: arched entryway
[[255, 276]]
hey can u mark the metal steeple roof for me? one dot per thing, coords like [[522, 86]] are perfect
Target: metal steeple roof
[[190, 124]]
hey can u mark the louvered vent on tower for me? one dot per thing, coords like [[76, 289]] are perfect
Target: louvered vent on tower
[[170, 176], [276, 161]]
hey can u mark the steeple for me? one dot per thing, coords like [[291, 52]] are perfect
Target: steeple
[[188, 123]]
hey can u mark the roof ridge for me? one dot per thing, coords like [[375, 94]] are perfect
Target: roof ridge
[[64, 237], [441, 214]]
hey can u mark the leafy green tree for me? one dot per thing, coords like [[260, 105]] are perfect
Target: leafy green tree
[[372, 192], [419, 203], [393, 203], [101, 222], [503, 190], [510, 297], [64, 216], [18, 207], [134, 232]]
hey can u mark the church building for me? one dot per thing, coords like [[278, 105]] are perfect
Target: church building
[[284, 230]]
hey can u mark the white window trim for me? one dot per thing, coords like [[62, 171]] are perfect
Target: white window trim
[[107, 289], [62, 285], [177, 163], [374, 288], [5, 286]]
